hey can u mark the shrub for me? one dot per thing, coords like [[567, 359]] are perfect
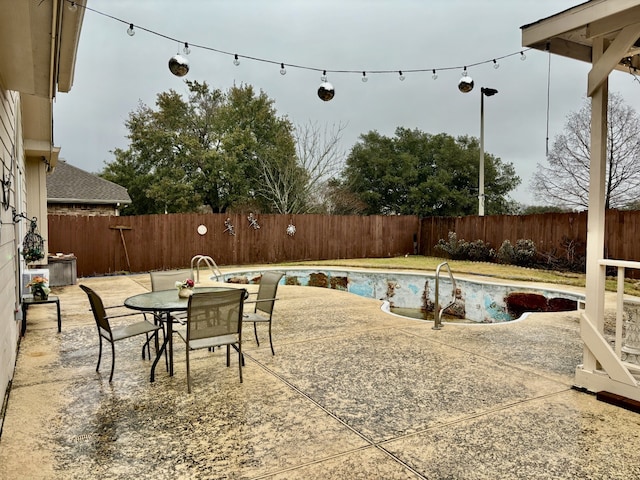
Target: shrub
[[523, 253], [480, 252], [456, 249], [506, 253]]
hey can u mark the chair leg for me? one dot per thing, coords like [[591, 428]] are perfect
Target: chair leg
[[228, 356], [99, 353], [238, 349], [271, 340], [146, 344], [113, 360], [255, 330], [188, 372], [166, 355]]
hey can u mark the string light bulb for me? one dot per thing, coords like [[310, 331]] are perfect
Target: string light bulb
[[496, 65], [72, 5], [283, 71], [326, 91], [465, 85], [178, 65], [400, 75], [186, 50], [364, 77], [236, 60], [323, 77]]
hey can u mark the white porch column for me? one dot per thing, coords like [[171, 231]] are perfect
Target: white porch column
[[595, 282]]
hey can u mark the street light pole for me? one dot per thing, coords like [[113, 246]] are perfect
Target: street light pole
[[488, 92]]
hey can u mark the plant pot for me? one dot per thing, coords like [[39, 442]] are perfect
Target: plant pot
[[185, 292], [39, 293]]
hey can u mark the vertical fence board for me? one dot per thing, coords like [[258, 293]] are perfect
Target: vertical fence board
[[157, 242]]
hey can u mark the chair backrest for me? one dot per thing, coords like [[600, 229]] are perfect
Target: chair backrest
[[167, 280], [214, 314], [99, 312], [267, 290]]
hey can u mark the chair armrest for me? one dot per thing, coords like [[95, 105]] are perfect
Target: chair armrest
[[261, 300], [128, 315]]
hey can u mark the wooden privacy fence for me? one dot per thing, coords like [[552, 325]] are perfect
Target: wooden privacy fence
[[106, 245], [549, 231]]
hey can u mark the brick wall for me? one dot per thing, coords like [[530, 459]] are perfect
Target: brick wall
[[81, 209]]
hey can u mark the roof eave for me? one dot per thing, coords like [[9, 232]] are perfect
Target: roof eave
[[87, 202], [570, 33]]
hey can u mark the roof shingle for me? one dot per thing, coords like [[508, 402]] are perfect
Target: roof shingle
[[69, 184]]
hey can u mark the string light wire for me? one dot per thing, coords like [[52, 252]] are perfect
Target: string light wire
[[324, 71], [548, 99]]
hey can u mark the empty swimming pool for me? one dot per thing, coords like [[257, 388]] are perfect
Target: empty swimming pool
[[474, 301]]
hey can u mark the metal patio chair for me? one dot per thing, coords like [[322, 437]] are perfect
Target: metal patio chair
[[214, 319], [115, 334], [264, 303]]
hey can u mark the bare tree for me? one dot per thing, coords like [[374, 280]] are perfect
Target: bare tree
[[565, 181], [320, 154], [301, 188]]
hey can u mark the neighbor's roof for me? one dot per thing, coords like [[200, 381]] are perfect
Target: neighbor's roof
[[69, 184]]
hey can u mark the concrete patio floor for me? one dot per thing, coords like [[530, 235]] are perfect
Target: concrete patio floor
[[352, 392]]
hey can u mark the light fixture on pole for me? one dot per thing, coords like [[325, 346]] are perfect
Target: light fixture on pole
[[488, 92]]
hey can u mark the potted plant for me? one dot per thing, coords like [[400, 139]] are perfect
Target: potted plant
[[39, 288], [185, 289]]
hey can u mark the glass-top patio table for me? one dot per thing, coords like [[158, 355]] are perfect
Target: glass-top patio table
[[165, 302]]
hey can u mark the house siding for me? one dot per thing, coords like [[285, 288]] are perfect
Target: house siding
[[12, 156]]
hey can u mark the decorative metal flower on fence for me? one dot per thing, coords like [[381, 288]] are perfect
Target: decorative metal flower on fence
[[230, 228], [291, 230], [253, 221]]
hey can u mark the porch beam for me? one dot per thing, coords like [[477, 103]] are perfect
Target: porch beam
[[574, 18], [613, 23], [606, 63]]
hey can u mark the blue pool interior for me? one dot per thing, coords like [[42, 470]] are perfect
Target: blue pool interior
[[406, 292]]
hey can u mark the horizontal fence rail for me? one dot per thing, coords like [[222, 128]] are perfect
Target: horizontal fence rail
[[107, 245], [559, 234]]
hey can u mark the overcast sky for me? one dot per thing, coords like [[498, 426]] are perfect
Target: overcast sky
[[114, 72]]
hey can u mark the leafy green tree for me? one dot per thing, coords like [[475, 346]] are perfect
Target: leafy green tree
[[416, 173], [214, 149]]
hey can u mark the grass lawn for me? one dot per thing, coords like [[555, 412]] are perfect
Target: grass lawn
[[507, 272]]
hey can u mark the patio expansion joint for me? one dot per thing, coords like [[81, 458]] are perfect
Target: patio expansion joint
[[331, 336], [500, 408], [371, 443], [530, 371], [340, 455]]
